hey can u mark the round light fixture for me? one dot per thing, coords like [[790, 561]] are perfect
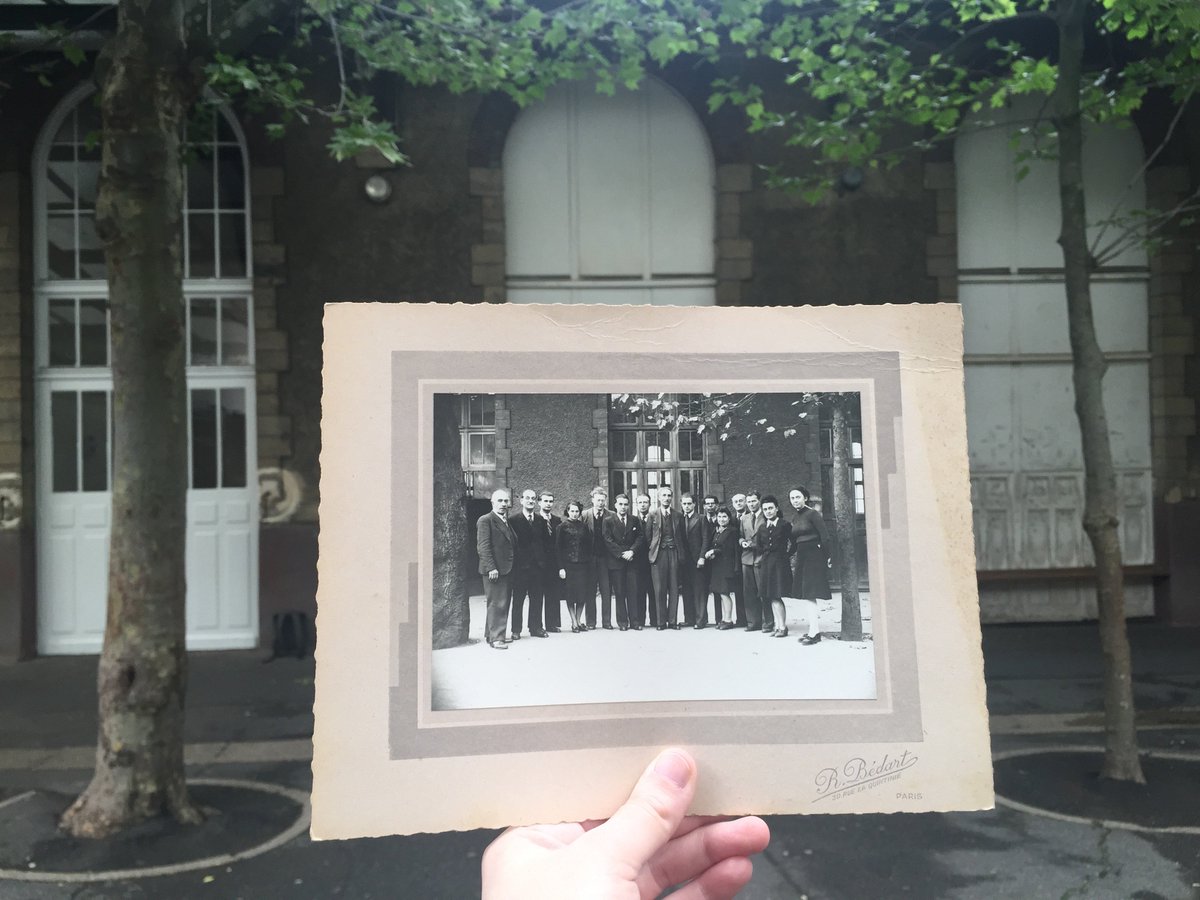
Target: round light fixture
[[378, 189]]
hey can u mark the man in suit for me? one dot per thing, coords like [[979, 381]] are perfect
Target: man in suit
[[738, 502], [749, 524], [496, 544], [696, 542], [664, 540], [644, 583], [593, 521], [526, 574], [622, 535], [551, 597]]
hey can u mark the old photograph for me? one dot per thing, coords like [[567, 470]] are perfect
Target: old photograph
[[653, 545]]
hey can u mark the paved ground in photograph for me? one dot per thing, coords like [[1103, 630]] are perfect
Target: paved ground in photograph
[[602, 666]]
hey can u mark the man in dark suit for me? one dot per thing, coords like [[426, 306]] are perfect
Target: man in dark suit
[[622, 535], [496, 543], [696, 542], [551, 597], [528, 566], [664, 540], [750, 522], [593, 521], [643, 598]]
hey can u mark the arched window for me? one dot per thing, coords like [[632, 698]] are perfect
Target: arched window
[[1026, 457], [609, 199], [74, 384]]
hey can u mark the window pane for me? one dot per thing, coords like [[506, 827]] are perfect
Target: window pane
[[66, 131], [233, 437], [235, 332], [60, 246], [204, 439], [691, 447], [87, 120], [91, 251], [658, 448], [475, 456], [93, 333], [856, 443], [88, 176], [61, 322], [624, 446], [233, 245], [204, 331], [95, 440], [826, 443], [60, 179], [63, 430], [201, 250], [225, 132], [199, 176], [231, 181]]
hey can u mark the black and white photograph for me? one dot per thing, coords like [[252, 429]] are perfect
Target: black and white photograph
[[650, 545]]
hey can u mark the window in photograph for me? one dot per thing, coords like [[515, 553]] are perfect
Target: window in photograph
[[856, 467], [646, 455], [478, 428]]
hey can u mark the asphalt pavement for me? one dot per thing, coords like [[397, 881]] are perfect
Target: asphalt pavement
[[1057, 831]]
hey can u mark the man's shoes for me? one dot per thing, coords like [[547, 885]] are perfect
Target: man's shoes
[[608, 628], [809, 639], [636, 627], [554, 629], [516, 636], [498, 645], [660, 627], [539, 633], [674, 626], [752, 628], [622, 628]]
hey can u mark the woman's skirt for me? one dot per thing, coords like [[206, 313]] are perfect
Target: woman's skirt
[[810, 575], [577, 582]]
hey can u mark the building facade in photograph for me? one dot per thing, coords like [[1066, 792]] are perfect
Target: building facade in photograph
[[642, 198], [568, 444]]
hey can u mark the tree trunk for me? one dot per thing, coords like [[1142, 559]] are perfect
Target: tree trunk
[[142, 679], [845, 516], [1100, 501], [451, 597]]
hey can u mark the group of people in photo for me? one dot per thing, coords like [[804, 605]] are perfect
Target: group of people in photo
[[643, 563]]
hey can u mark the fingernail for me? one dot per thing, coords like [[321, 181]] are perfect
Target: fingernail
[[675, 767]]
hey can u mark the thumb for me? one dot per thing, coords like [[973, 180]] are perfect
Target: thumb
[[651, 815]]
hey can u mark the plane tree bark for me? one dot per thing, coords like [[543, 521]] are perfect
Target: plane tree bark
[[144, 93]]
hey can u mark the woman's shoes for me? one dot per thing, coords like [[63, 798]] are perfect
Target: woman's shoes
[[809, 639], [780, 632], [575, 629]]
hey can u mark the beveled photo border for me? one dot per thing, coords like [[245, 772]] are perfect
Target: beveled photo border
[[417, 731]]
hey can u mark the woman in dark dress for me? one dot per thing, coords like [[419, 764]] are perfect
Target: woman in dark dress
[[810, 560], [773, 541], [573, 547], [723, 576]]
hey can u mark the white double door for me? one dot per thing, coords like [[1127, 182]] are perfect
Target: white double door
[[74, 511]]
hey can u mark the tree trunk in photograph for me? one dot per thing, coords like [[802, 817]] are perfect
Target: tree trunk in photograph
[[844, 516], [451, 531], [143, 666], [1100, 519]]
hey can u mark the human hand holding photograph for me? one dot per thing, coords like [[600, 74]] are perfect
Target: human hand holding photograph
[[679, 529]]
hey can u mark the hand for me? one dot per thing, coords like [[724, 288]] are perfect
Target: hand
[[627, 555], [562, 573], [710, 554], [493, 575], [700, 563], [647, 847]]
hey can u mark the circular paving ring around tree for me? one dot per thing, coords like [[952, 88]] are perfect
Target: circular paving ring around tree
[[1063, 783], [239, 820]]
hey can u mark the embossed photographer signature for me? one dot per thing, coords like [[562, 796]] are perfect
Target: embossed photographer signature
[[858, 774]]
